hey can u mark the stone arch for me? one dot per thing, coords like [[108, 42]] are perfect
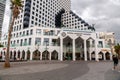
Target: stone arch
[[36, 55], [67, 48], [54, 55], [28, 54], [14, 56], [79, 47], [11, 55], [45, 55], [101, 55], [93, 55], [107, 55], [23, 55], [18, 54]]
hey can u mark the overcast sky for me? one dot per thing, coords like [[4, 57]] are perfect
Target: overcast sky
[[104, 14]]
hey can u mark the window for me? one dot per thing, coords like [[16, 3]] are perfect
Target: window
[[27, 32], [54, 42], [29, 43], [46, 42], [38, 41], [23, 33], [31, 32], [21, 42], [25, 42], [100, 44], [38, 31]]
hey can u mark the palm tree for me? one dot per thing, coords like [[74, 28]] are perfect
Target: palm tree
[[16, 6], [117, 49]]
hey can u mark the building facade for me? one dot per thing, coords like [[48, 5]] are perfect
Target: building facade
[[2, 10], [109, 38], [49, 30]]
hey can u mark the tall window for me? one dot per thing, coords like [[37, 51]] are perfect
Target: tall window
[[21, 42], [100, 44], [27, 33], [25, 42], [31, 32], [29, 43]]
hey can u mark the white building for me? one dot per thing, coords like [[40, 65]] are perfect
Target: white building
[[2, 10], [49, 30]]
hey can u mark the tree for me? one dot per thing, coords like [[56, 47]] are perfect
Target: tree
[[117, 49], [16, 6]]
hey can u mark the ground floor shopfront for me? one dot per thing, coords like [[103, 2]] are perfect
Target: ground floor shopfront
[[46, 55], [72, 46]]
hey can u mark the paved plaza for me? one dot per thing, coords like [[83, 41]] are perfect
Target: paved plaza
[[56, 70]]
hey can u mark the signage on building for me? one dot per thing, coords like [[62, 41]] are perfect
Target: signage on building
[[105, 50], [78, 34]]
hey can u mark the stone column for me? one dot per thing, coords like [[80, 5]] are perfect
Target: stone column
[[111, 56], [96, 51], [50, 56], [61, 49], [16, 55], [31, 56], [104, 56], [90, 50], [41, 56], [25, 56], [85, 51], [21, 55], [73, 49]]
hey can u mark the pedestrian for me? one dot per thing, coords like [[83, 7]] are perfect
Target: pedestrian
[[115, 60]]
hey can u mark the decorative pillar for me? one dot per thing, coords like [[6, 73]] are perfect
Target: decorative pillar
[[90, 49], [31, 56], [40, 56], [96, 51], [25, 55], [21, 55], [90, 56], [111, 56], [85, 51], [50, 56], [61, 49], [104, 56], [73, 50]]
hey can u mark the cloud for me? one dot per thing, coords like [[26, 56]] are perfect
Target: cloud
[[103, 13]]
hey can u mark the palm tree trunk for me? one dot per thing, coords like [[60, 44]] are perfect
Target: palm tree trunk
[[7, 60]]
